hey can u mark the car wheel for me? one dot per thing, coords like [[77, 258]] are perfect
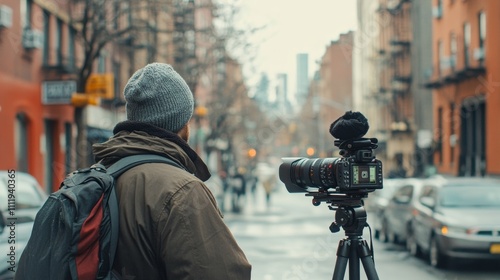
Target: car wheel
[[436, 257], [411, 244]]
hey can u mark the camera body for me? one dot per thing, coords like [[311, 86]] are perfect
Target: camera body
[[355, 174], [358, 173]]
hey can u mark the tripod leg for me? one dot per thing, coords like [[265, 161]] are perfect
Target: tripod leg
[[354, 261], [342, 258], [367, 260]]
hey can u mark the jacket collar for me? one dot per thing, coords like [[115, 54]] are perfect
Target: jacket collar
[[202, 171]]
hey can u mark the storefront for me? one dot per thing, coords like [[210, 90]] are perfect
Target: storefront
[[36, 138]]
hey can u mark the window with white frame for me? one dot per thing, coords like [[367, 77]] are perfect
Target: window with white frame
[[466, 43]]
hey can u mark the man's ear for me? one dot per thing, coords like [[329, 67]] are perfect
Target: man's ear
[[184, 132]]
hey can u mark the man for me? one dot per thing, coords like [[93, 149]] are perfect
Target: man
[[170, 226]]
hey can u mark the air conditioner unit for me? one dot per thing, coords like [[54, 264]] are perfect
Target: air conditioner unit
[[5, 16], [479, 54], [437, 12], [32, 39]]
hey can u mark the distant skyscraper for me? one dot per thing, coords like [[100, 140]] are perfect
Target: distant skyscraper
[[282, 98], [262, 92], [302, 76], [282, 84]]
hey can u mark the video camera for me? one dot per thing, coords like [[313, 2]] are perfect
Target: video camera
[[351, 177], [357, 172]]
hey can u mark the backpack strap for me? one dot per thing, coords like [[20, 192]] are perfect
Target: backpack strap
[[124, 164], [117, 169]]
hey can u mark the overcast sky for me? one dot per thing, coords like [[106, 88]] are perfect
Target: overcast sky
[[296, 26]]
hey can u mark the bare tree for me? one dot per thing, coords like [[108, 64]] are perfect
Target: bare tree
[[166, 30], [96, 25]]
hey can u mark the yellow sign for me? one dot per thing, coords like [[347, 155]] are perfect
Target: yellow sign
[[101, 85]]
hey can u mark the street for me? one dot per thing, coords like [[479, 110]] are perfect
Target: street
[[291, 240]]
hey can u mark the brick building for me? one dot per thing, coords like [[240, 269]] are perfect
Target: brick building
[[36, 135], [41, 55], [464, 82]]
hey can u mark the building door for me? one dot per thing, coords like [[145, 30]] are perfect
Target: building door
[[21, 137], [50, 127], [68, 135], [473, 137]]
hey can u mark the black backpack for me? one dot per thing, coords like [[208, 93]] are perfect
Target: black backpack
[[75, 233]]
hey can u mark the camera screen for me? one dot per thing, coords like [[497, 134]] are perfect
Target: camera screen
[[364, 174]]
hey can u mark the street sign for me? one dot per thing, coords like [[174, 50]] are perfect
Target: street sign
[[101, 85], [57, 92]]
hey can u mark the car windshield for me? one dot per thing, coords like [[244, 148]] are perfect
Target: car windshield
[[473, 196], [26, 194]]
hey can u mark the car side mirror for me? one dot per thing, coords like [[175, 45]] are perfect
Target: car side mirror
[[428, 201]]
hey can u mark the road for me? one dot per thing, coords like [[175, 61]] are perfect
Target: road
[[291, 240]]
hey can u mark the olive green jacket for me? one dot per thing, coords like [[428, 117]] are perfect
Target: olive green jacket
[[170, 225]]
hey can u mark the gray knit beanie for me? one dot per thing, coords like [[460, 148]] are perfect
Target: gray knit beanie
[[158, 95]]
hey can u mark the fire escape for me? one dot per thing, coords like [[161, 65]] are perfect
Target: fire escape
[[401, 107], [395, 77]]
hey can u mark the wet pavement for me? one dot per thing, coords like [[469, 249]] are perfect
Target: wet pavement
[[291, 240]]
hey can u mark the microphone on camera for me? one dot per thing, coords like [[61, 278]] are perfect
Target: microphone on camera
[[352, 125]]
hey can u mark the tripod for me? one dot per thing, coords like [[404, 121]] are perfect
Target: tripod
[[351, 216]]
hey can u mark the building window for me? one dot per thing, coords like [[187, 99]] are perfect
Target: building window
[[440, 135], [58, 41], [101, 63], [482, 32], [453, 50], [46, 32], [21, 142], [440, 56], [466, 43], [26, 6], [71, 47]]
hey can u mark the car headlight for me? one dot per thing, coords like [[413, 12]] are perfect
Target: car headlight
[[447, 230]]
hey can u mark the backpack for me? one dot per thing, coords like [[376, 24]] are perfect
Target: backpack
[[75, 233]]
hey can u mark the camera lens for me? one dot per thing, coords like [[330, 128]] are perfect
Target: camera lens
[[303, 173]]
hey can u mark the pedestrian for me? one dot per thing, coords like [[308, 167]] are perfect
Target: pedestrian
[[268, 185], [170, 225]]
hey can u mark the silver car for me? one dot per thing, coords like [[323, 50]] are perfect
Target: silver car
[[457, 218], [26, 198], [397, 217], [377, 202]]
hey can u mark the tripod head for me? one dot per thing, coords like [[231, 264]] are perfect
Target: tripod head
[[350, 213]]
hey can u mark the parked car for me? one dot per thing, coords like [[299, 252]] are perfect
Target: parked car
[[377, 201], [21, 233], [397, 216], [29, 198], [457, 218]]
